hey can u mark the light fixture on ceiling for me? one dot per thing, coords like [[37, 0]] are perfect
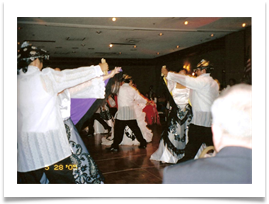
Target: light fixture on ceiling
[[111, 45], [212, 35], [134, 46], [186, 23], [243, 25], [114, 19], [157, 53], [160, 34], [177, 46]]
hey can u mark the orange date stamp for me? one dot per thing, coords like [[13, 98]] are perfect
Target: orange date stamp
[[61, 167]]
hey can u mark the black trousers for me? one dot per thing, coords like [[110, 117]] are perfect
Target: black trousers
[[119, 127], [197, 136], [56, 173], [90, 122]]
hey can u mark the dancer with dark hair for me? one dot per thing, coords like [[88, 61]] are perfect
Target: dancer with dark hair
[[42, 142], [128, 96], [204, 90], [175, 134]]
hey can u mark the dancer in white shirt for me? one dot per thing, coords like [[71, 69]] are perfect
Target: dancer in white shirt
[[129, 137], [42, 142], [204, 90], [175, 135], [86, 170], [128, 97]]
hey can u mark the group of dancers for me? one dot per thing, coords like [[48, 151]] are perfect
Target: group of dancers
[[50, 149]]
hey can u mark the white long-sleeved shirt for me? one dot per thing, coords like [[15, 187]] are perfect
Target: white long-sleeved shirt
[[128, 97], [94, 88], [41, 135], [204, 90]]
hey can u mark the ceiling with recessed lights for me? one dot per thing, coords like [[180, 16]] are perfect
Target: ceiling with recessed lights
[[125, 37]]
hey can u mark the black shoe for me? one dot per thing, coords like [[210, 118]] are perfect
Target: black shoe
[[90, 135], [113, 149], [142, 146]]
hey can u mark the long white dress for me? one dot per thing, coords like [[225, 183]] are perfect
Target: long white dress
[[175, 136], [84, 168]]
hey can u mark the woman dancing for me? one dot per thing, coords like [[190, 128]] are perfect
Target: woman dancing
[[175, 135]]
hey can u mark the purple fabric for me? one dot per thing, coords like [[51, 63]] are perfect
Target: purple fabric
[[80, 106]]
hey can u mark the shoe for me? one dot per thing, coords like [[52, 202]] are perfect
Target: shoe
[[90, 135], [142, 146], [113, 149]]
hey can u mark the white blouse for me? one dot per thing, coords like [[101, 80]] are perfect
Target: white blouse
[[128, 97], [180, 96], [204, 90], [41, 135]]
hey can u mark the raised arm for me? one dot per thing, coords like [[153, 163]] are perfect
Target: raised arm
[[190, 82], [70, 77]]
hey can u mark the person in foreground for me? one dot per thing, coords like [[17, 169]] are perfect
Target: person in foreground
[[232, 138], [41, 136]]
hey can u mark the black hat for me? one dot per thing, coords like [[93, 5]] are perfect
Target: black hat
[[204, 64], [126, 78], [29, 52]]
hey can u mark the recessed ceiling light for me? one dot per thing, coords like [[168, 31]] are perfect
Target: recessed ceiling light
[[114, 19], [212, 35], [134, 46], [243, 25], [177, 46], [111, 45], [186, 22], [160, 34], [157, 53]]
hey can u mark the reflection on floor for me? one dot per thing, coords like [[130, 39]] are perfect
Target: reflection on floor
[[130, 165]]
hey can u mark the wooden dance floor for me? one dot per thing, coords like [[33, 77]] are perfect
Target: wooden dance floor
[[130, 165]]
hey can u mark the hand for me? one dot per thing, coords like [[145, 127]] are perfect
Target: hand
[[115, 71], [104, 67], [164, 72]]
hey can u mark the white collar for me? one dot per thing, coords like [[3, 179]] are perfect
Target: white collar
[[204, 75], [32, 68]]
